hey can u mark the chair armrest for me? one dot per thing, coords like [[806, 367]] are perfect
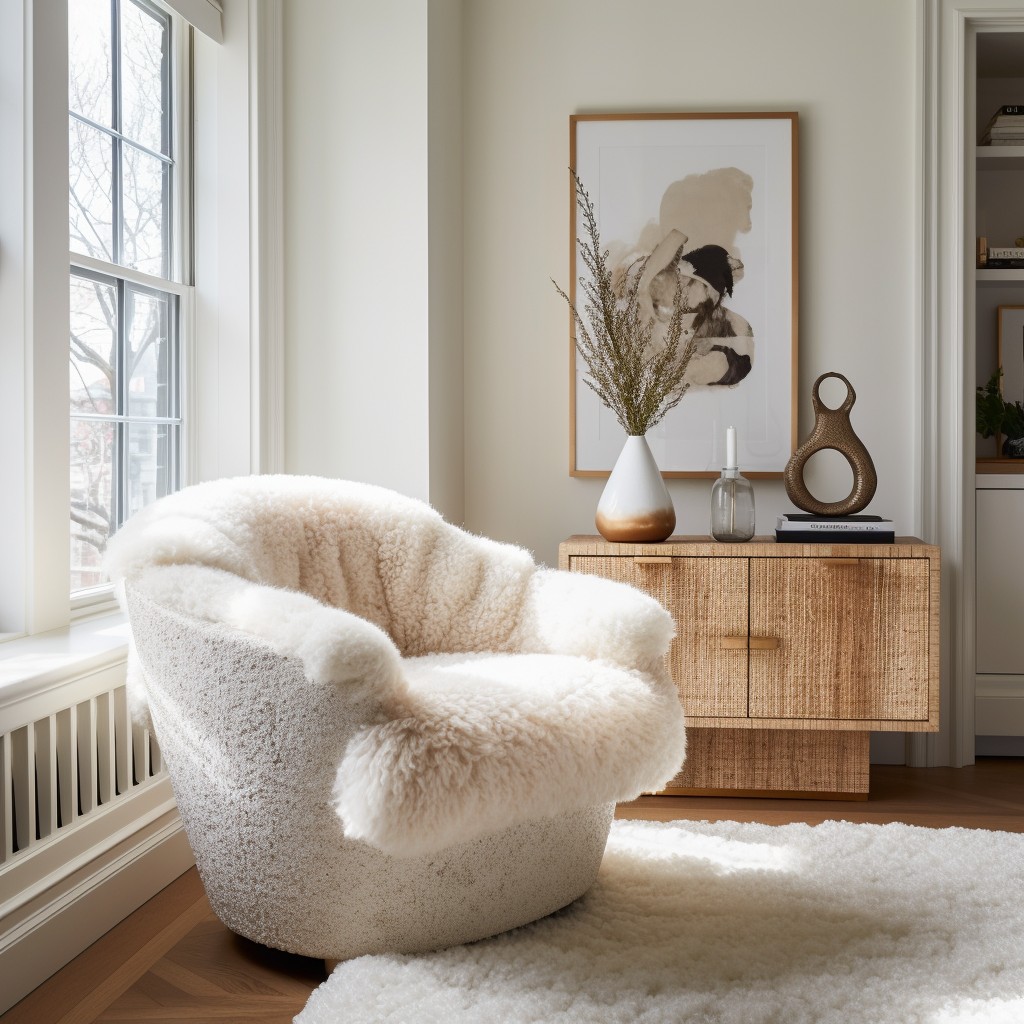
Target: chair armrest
[[591, 617], [334, 647]]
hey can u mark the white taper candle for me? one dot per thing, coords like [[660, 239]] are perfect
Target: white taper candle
[[730, 448]]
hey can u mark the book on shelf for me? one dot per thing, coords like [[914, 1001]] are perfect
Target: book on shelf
[[806, 521], [999, 257], [1006, 126], [800, 528], [824, 537]]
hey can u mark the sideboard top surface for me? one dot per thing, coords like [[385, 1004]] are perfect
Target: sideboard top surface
[[759, 547]]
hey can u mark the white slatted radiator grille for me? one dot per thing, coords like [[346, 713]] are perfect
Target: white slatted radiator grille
[[60, 768]]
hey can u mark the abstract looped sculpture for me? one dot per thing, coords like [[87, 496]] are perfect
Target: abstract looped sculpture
[[832, 429]]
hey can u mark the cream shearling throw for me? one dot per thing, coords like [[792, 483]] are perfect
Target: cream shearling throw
[[500, 692], [730, 923]]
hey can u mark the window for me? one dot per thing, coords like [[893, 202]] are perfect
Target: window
[[127, 198], [176, 224]]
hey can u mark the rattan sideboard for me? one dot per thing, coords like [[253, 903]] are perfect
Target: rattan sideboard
[[787, 656]]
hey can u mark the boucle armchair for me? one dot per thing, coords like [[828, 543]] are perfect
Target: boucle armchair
[[384, 733]]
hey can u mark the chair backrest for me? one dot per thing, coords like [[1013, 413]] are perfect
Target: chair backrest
[[380, 555]]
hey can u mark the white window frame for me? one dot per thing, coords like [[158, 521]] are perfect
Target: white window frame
[[93, 600], [234, 395]]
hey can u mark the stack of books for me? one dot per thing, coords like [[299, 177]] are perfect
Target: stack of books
[[1005, 128], [800, 528], [1005, 258]]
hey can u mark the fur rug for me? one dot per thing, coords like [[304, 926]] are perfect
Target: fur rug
[[736, 924]]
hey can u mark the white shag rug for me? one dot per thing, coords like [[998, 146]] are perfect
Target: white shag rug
[[739, 924]]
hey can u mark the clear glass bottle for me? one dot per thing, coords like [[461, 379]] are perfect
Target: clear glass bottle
[[732, 507]]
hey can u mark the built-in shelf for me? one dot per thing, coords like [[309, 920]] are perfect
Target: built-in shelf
[[1000, 158], [994, 465], [996, 276]]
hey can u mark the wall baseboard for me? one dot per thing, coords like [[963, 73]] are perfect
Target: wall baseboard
[[76, 912]]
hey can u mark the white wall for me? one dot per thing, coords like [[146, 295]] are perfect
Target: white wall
[[400, 134], [446, 421], [356, 241], [373, 273], [847, 67]]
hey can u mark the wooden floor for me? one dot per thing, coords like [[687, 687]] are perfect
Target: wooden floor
[[173, 961]]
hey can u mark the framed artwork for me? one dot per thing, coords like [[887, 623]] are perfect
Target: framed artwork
[[709, 200], [1011, 352]]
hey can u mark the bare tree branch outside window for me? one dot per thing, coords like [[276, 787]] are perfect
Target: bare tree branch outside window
[[124, 338]]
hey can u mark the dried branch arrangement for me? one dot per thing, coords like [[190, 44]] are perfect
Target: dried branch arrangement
[[638, 384]]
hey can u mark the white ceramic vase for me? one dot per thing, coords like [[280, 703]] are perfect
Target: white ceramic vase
[[635, 506]]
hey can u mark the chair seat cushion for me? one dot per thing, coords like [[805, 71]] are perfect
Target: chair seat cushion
[[483, 741]]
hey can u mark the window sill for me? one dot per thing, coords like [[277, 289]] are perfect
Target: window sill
[[34, 663]]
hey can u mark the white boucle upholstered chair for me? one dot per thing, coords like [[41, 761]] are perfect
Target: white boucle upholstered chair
[[384, 733]]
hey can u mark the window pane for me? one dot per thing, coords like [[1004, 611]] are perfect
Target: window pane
[[124, 348], [93, 346], [92, 497], [90, 88], [144, 115], [150, 354], [91, 191], [152, 469], [145, 201]]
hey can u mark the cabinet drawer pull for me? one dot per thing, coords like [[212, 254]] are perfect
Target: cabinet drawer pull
[[734, 643], [652, 559], [754, 643]]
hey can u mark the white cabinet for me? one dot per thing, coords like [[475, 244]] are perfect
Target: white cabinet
[[1000, 567], [999, 605]]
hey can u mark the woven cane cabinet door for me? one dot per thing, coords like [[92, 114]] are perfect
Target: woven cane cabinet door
[[708, 601], [853, 638], [787, 656]]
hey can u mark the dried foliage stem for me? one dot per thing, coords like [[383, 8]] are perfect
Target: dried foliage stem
[[639, 385]]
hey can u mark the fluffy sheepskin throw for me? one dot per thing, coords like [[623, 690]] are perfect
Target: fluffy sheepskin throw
[[501, 691]]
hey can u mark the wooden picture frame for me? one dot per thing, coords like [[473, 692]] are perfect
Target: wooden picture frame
[[727, 185], [1010, 356], [1011, 352]]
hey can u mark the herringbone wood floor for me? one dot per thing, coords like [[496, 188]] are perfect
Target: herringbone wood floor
[[173, 961]]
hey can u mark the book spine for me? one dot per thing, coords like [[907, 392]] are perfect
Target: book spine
[[1012, 109], [1006, 253], [883, 527], [1005, 265], [833, 537]]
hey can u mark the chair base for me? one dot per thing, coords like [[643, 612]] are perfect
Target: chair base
[[368, 902]]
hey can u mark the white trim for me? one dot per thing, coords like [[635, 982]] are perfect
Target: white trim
[[47, 312], [163, 284], [925, 277], [89, 903], [33, 874], [266, 170], [78, 659], [205, 15], [15, 130]]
